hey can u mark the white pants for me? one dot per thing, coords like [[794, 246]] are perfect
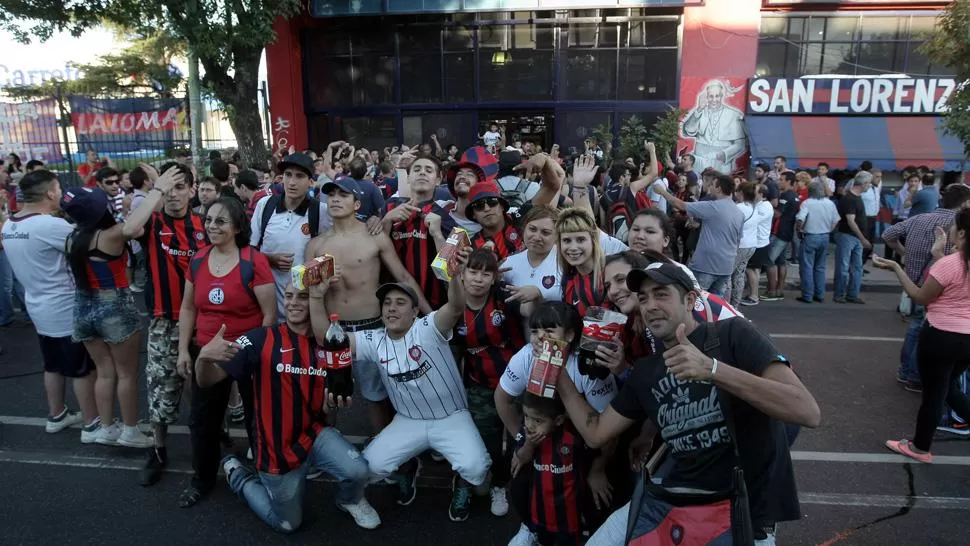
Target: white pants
[[613, 531], [454, 437]]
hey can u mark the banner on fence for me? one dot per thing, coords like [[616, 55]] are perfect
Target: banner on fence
[[127, 125], [29, 129]]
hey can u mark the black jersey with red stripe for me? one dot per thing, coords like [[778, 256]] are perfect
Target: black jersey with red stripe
[[507, 242], [638, 341], [288, 394], [489, 336], [170, 243], [559, 469], [581, 292], [416, 248]]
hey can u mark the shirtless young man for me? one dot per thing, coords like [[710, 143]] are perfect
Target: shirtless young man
[[357, 252]]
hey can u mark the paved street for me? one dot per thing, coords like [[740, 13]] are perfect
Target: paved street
[[853, 490]]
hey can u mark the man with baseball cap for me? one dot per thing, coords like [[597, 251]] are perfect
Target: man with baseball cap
[[488, 208], [720, 394], [358, 254], [462, 176], [282, 225], [419, 372]]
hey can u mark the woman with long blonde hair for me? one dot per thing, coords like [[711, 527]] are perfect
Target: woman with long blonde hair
[[581, 259]]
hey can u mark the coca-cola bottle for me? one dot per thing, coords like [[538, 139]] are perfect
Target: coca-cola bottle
[[340, 376]]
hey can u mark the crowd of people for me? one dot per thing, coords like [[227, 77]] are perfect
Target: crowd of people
[[449, 365]]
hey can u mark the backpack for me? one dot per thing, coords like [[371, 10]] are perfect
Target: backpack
[[313, 216], [516, 196], [619, 215], [247, 271]]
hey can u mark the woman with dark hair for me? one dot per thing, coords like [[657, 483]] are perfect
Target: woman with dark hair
[[230, 287], [944, 341], [651, 229], [746, 196], [105, 317], [15, 166]]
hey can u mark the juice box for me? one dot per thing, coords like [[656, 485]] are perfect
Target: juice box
[[445, 264], [547, 367], [313, 272]]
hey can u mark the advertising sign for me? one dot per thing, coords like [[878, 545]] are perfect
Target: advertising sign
[[849, 96]]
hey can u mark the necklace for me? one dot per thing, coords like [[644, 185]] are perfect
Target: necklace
[[534, 268], [217, 268]]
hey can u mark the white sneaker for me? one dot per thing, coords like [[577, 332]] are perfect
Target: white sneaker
[[230, 463], [314, 473], [65, 419], [132, 437], [249, 454], [524, 537], [363, 513], [89, 432], [108, 434], [500, 504]]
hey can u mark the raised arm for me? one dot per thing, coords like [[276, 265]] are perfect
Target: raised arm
[[135, 223], [553, 177], [596, 429], [451, 312], [653, 170]]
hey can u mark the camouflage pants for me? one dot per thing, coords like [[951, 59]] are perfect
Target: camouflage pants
[[481, 404], [164, 382]]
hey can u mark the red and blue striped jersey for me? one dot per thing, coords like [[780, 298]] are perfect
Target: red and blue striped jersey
[[108, 274], [417, 250], [489, 336], [507, 242], [581, 292], [559, 469]]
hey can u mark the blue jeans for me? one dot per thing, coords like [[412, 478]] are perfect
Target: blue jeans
[[848, 265], [715, 284], [9, 287], [814, 248], [908, 369], [278, 498]]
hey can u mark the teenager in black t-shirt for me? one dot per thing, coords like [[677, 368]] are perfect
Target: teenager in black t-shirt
[[684, 392]]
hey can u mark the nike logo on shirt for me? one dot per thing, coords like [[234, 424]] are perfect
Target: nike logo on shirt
[[285, 350], [165, 233]]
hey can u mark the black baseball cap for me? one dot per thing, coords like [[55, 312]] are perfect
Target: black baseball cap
[[661, 272], [387, 287], [298, 160], [346, 184]]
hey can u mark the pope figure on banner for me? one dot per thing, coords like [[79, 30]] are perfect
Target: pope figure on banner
[[716, 128]]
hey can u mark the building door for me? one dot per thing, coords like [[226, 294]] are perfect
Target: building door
[[529, 127]]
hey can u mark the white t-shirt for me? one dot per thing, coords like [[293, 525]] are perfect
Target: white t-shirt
[[658, 201], [749, 231], [418, 370], [286, 232], [546, 277], [491, 138], [35, 248], [611, 245], [765, 214], [598, 392]]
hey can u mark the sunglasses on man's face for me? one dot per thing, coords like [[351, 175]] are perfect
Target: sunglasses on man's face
[[492, 202], [110, 181]]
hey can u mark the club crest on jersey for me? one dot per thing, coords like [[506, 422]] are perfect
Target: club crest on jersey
[[321, 354], [199, 236], [305, 229], [698, 305], [497, 318], [216, 296], [415, 353], [462, 330], [548, 281], [513, 236], [564, 451]]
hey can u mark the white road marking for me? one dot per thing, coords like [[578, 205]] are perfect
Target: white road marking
[[827, 337], [885, 501], [892, 458]]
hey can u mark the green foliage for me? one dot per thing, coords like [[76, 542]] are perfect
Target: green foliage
[[603, 133], [633, 133], [666, 131], [950, 46]]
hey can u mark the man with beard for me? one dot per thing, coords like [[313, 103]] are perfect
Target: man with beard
[[109, 180], [462, 176], [718, 390], [419, 371], [172, 236], [208, 193], [357, 252], [487, 207]]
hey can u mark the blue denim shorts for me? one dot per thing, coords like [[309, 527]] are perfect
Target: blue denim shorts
[[110, 315]]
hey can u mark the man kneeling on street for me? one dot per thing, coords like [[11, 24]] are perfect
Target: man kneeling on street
[[292, 433], [424, 385]]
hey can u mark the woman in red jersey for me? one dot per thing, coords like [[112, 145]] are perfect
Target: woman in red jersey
[[580, 259], [105, 317], [230, 283]]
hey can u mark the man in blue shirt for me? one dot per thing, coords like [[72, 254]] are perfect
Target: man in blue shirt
[[927, 199]]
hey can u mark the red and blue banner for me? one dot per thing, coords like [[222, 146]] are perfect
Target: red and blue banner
[[29, 129], [888, 96], [127, 125]]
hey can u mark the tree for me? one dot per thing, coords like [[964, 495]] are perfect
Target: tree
[[228, 36], [950, 46], [632, 135], [666, 131]]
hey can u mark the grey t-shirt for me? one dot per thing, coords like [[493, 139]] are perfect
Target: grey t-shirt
[[720, 236]]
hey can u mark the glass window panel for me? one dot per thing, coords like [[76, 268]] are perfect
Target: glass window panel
[[882, 28], [412, 130], [421, 77], [583, 35], [420, 40], [373, 42], [327, 43], [796, 28], [374, 80], [368, 132], [330, 82], [318, 130], [916, 63], [839, 59], [650, 33], [772, 57], [810, 59], [575, 127], [879, 58], [459, 77], [774, 27], [648, 74], [816, 28], [493, 36], [841, 29], [458, 39], [515, 75], [589, 75], [457, 129], [922, 28]]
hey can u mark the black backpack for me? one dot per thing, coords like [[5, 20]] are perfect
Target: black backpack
[[313, 217]]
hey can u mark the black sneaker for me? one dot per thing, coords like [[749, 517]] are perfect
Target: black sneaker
[[407, 484], [803, 299], [152, 471], [461, 500]]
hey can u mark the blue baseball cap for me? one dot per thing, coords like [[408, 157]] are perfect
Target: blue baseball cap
[[346, 184], [86, 206]]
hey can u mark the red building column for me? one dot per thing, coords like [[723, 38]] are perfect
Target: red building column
[[284, 70], [719, 54]]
